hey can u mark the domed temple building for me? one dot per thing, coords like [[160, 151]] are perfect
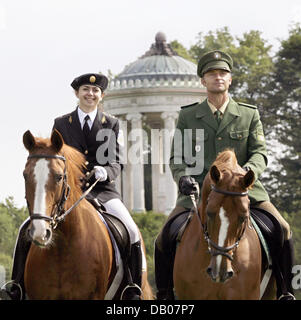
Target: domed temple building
[[147, 95]]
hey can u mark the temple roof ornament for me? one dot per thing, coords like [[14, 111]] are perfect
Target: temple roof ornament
[[160, 47]]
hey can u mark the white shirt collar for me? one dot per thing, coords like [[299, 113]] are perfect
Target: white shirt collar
[[82, 114]]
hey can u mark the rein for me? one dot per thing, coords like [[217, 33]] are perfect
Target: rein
[[218, 250], [59, 214]]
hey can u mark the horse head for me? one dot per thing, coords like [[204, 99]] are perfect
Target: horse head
[[46, 187], [226, 213]]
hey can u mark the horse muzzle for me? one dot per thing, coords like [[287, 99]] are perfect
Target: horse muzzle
[[40, 233], [218, 274]]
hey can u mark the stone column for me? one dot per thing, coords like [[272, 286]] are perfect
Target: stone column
[[169, 128], [135, 160]]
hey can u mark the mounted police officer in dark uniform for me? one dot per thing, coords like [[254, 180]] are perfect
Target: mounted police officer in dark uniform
[[96, 135]]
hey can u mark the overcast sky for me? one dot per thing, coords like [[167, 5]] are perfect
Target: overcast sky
[[44, 44]]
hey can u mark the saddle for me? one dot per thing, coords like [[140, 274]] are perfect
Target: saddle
[[269, 226], [116, 227]]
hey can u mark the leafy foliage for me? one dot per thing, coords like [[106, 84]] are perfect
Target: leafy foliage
[[150, 225]]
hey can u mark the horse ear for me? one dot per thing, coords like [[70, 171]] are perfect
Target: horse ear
[[57, 140], [248, 179], [29, 140], [215, 174]]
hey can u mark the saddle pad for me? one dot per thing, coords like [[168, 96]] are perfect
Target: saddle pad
[[119, 265]]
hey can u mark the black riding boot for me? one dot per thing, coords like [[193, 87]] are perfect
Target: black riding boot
[[15, 290], [164, 275], [286, 262], [133, 289]]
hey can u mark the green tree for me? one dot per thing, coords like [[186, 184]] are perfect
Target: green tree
[[181, 51], [286, 101], [150, 225], [11, 218]]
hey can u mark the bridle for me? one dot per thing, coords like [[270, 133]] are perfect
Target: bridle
[[213, 248], [59, 213], [58, 207]]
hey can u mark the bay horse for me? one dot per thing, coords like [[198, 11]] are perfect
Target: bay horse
[[74, 259], [219, 255]]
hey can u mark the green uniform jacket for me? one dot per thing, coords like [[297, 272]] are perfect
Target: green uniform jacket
[[240, 129]]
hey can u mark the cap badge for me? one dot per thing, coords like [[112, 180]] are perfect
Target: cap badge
[[217, 55], [92, 79]]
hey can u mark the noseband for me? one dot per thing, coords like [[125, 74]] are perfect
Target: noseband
[[215, 249], [59, 207]]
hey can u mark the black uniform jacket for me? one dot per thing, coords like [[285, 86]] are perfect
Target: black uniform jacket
[[101, 149]]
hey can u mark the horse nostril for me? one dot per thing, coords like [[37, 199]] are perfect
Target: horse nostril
[[48, 234], [209, 271], [230, 274], [30, 232]]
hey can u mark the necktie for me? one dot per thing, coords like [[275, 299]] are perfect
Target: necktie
[[218, 116], [86, 128]]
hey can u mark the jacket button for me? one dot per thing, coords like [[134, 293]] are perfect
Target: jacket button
[[87, 173], [87, 184], [86, 163], [86, 151], [219, 138]]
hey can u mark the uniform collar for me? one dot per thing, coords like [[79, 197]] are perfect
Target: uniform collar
[[222, 109], [82, 114]]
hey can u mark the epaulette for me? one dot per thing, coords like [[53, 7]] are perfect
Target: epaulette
[[189, 105], [109, 115], [247, 105]]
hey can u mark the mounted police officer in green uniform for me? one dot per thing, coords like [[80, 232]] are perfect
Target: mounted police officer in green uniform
[[225, 124]]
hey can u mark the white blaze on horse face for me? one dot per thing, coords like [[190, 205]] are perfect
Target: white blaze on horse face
[[41, 173], [223, 230]]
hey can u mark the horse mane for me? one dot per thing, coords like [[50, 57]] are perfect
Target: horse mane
[[75, 163], [226, 160]]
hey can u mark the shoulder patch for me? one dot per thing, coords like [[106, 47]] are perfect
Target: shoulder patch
[[65, 116], [108, 114], [247, 105], [189, 105]]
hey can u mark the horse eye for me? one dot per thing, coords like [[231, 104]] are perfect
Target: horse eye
[[242, 219], [58, 177]]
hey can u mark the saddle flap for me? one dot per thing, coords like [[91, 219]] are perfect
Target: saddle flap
[[120, 233], [270, 228], [172, 230], [117, 228]]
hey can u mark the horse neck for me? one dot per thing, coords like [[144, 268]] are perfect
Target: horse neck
[[74, 221]]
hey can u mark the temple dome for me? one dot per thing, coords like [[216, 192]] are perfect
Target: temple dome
[[159, 63]]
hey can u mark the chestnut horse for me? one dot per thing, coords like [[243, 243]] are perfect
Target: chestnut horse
[[74, 259], [219, 256]]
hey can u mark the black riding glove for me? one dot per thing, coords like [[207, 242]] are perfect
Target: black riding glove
[[187, 185]]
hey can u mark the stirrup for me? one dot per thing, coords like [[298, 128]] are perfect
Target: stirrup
[[287, 296], [134, 285], [13, 282]]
